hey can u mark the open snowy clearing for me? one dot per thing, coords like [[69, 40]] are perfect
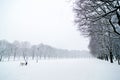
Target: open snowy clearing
[[60, 69]]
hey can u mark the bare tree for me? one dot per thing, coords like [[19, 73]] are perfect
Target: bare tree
[[90, 11], [16, 46], [3, 49], [33, 51], [100, 20], [25, 49]]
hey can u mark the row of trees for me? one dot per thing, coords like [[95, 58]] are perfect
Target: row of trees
[[25, 50], [100, 20]]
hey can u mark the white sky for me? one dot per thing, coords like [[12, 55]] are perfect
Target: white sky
[[40, 21]]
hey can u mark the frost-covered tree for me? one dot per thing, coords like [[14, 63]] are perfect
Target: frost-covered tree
[[33, 51], [90, 11], [5, 49], [25, 49], [2, 48], [100, 20], [16, 47]]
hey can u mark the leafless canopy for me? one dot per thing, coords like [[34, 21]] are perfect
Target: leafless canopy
[[90, 11]]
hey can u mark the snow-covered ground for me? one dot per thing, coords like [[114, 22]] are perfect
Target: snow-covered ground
[[60, 69]]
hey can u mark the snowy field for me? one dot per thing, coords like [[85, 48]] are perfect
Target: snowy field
[[60, 69]]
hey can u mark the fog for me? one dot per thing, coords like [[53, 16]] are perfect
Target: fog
[[41, 21]]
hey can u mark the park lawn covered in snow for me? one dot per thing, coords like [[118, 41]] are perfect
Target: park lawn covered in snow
[[60, 69]]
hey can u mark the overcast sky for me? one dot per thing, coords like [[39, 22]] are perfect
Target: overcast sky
[[40, 21]]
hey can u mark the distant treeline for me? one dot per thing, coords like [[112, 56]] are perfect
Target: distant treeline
[[24, 49]]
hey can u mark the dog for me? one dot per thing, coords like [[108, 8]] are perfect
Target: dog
[[23, 63]]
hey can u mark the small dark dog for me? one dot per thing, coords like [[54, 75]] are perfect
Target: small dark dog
[[23, 63]]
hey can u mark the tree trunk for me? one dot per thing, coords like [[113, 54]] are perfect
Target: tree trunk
[[24, 56], [8, 57], [118, 58], [111, 57], [106, 57], [33, 56], [1, 58], [14, 56], [118, 61]]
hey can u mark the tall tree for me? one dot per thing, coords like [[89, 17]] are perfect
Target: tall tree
[[99, 19]]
